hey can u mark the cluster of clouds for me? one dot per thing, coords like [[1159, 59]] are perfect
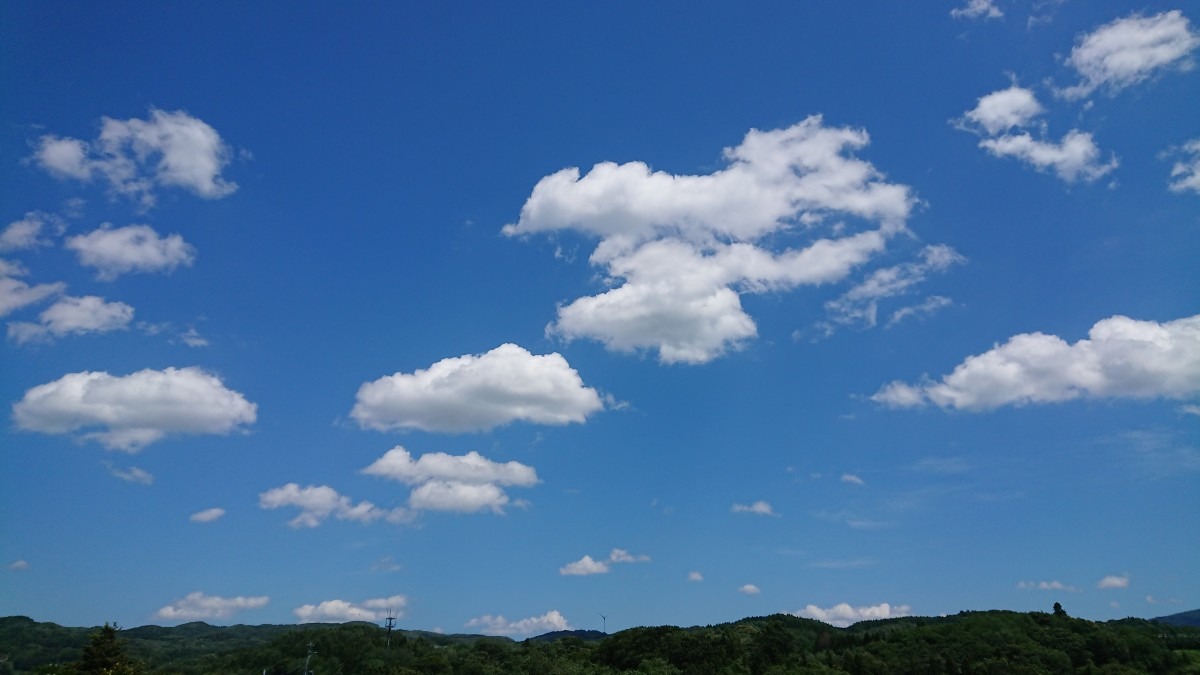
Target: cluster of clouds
[[587, 565], [134, 157], [843, 614], [467, 483], [1114, 57], [197, 606], [679, 251], [498, 625], [1120, 358], [1110, 582]]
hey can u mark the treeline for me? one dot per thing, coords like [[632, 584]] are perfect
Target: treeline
[[971, 642]]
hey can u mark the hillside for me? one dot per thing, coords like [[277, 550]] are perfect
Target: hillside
[[985, 642], [1191, 618]]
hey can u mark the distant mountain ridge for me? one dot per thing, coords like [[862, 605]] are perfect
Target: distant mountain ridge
[[1191, 618]]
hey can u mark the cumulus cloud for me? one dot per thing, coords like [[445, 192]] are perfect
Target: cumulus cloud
[[135, 248], [73, 316], [477, 393], [1000, 111], [134, 410], [1120, 358], [860, 304], [680, 250], [340, 611], [852, 479], [207, 515], [28, 232], [18, 565], [1129, 51], [758, 508], [842, 615], [977, 9], [135, 156], [1055, 585], [1185, 173], [1075, 157], [695, 576], [588, 565], [1113, 581], [498, 625], [320, 502], [584, 566], [198, 606], [464, 483], [749, 589], [15, 294]]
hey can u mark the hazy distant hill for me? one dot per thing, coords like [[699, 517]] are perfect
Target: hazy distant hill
[[585, 635], [1191, 618]]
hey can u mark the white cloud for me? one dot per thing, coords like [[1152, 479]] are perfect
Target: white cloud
[[620, 555], [192, 338], [477, 393], [1000, 111], [1121, 358], [758, 508], [441, 495], [929, 306], [27, 232], [1055, 585], [198, 606], [207, 515], [472, 467], [1186, 172], [132, 475], [340, 611], [134, 248], [319, 502], [1131, 50], [73, 316], [464, 483], [860, 304], [975, 9], [18, 565], [680, 249], [749, 589], [584, 566], [695, 576], [134, 410], [171, 149], [498, 625], [587, 565], [843, 614], [1075, 157], [853, 479], [15, 294], [1113, 581]]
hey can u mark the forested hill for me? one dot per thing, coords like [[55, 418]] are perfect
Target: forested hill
[[970, 642]]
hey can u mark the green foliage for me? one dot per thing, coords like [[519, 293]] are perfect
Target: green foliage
[[971, 642]]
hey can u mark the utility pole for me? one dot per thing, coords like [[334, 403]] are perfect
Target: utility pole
[[391, 623], [311, 651]]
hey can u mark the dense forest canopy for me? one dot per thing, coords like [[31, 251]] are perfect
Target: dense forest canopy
[[970, 642]]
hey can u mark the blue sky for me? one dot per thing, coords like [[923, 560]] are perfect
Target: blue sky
[[503, 316]]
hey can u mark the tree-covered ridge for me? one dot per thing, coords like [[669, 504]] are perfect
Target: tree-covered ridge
[[970, 642]]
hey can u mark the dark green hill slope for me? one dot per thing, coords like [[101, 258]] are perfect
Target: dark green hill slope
[[1191, 618], [970, 642]]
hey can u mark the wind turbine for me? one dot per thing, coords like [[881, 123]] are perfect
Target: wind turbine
[[605, 620]]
